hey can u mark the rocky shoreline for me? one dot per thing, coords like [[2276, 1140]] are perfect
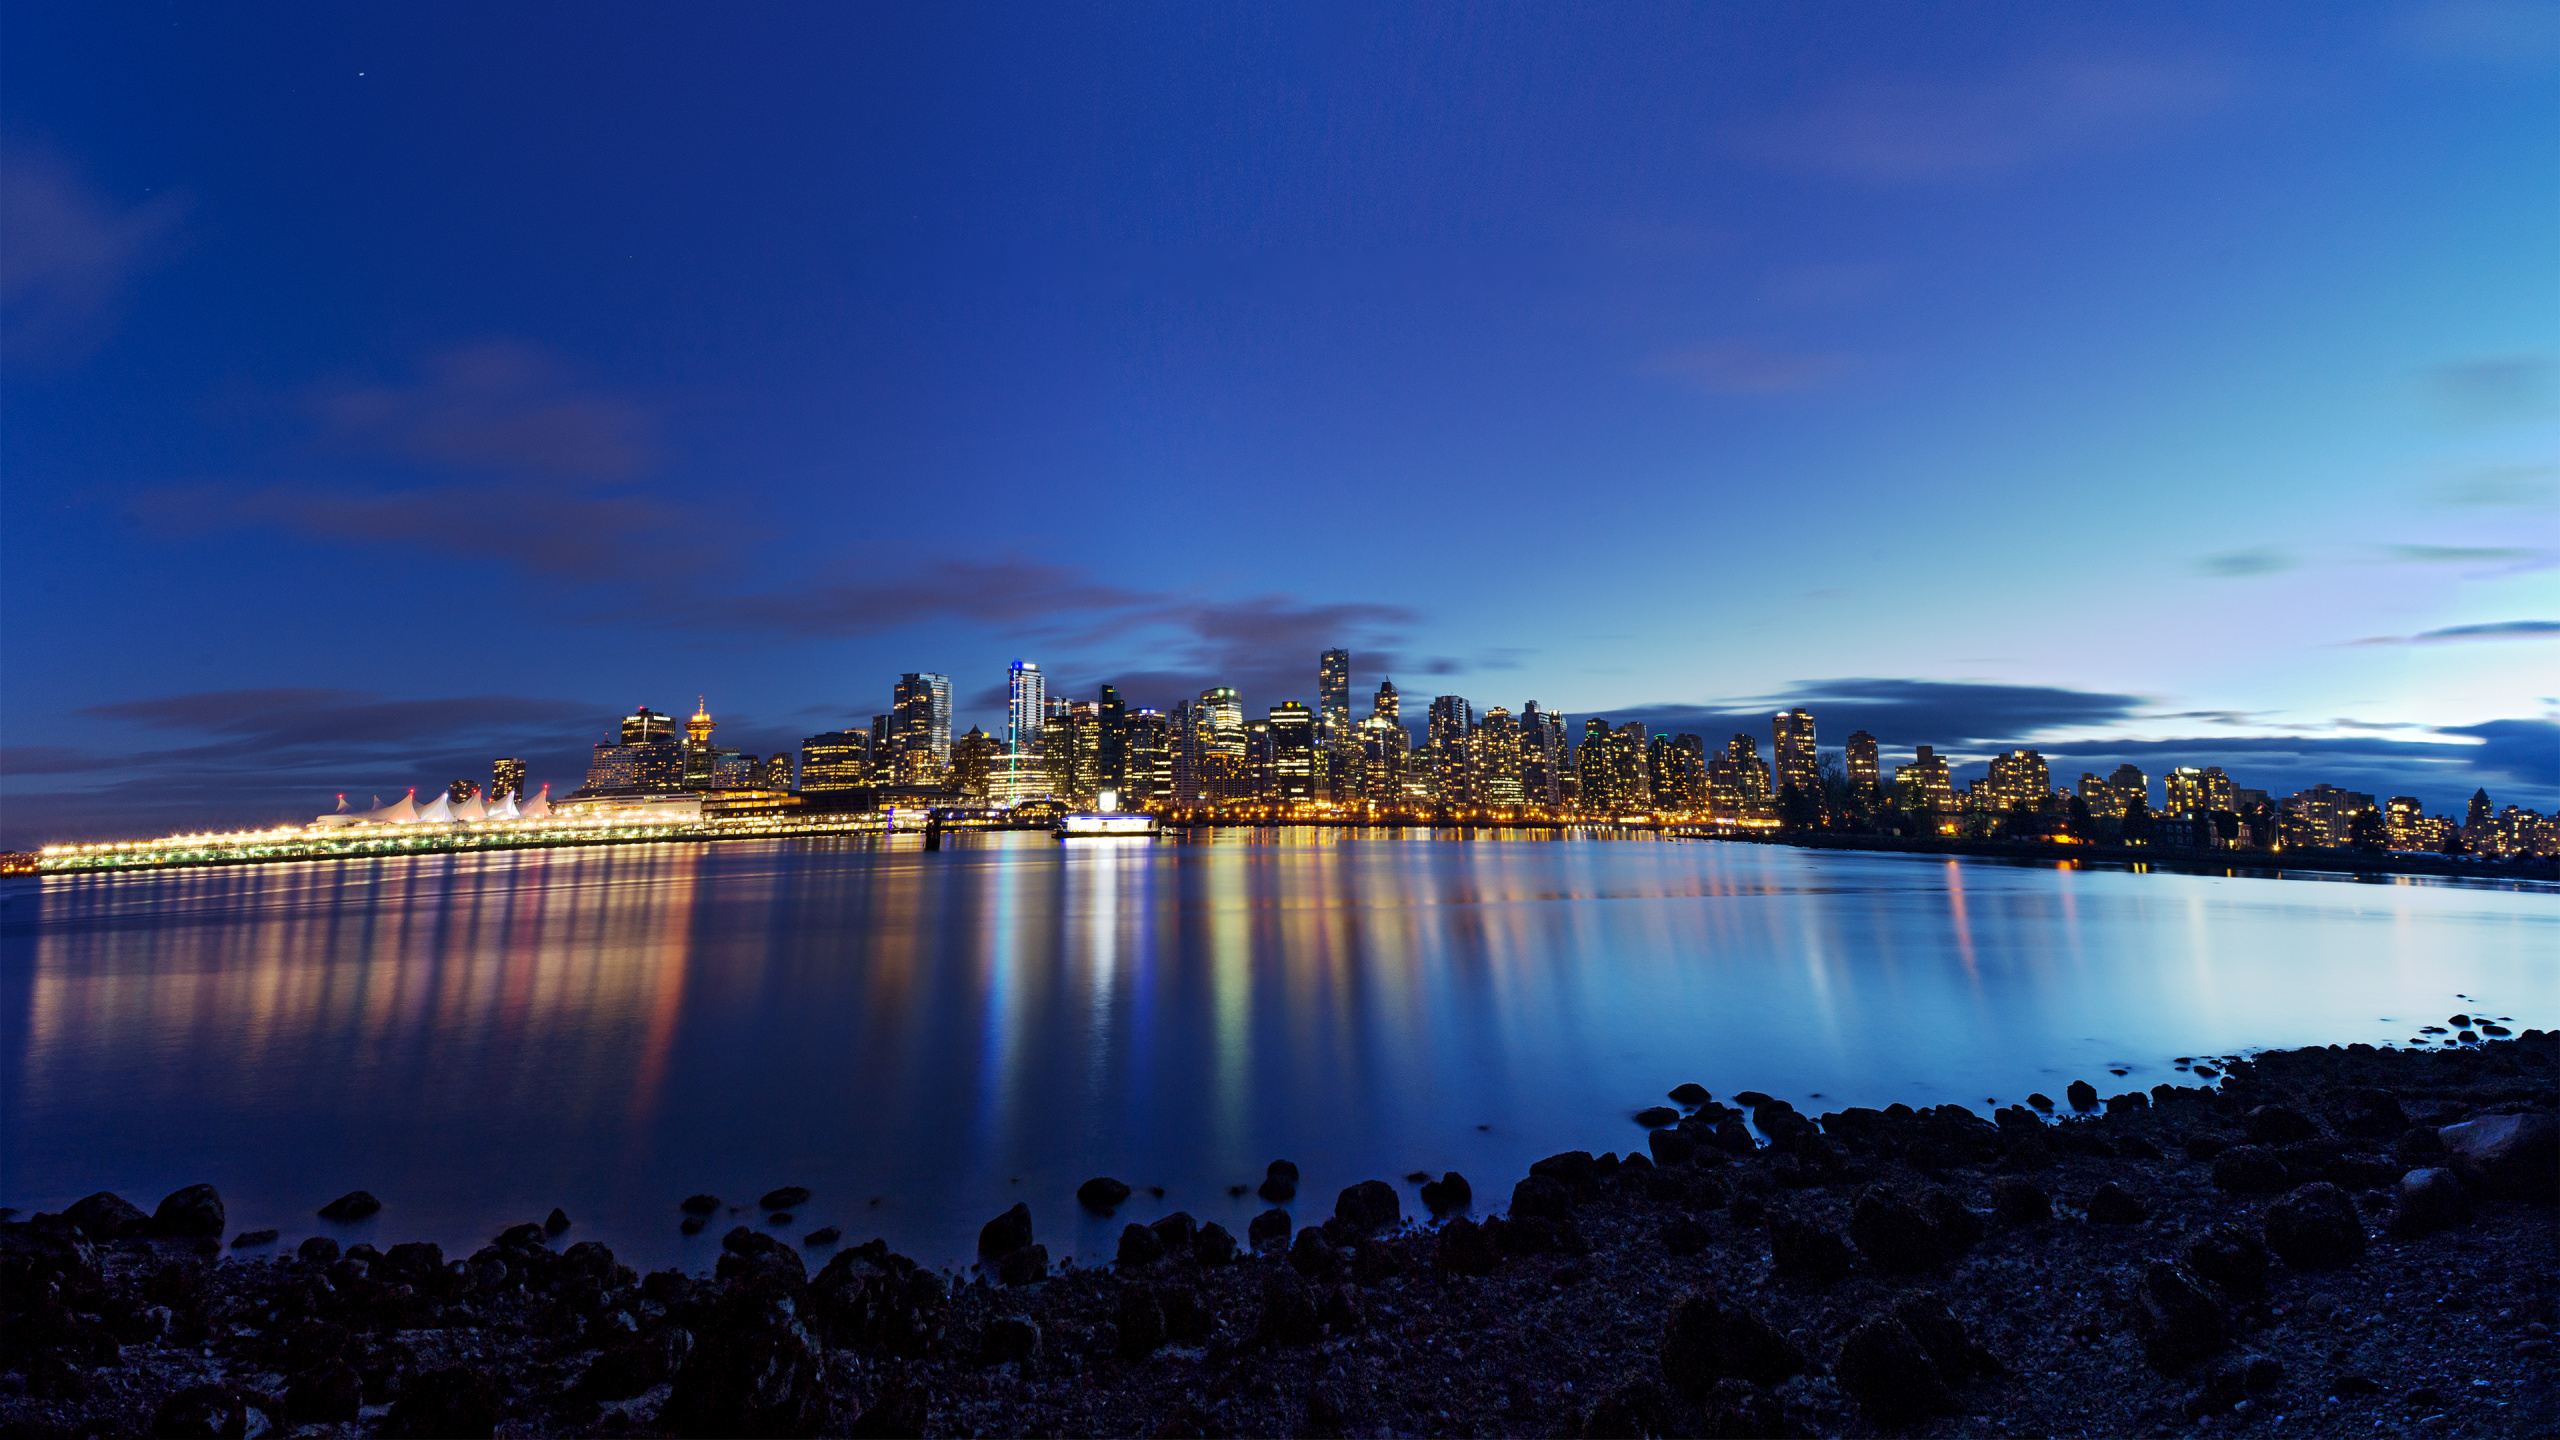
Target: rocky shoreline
[[2342, 1241]]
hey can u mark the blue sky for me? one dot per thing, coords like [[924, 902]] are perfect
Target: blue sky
[[382, 390]]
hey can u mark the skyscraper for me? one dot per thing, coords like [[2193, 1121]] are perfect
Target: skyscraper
[[1865, 765], [921, 713], [644, 725], [1383, 706], [1293, 751], [1111, 768], [506, 777], [1598, 781], [2019, 777], [1027, 692], [974, 758], [1626, 765], [1497, 760], [1798, 765], [1148, 745], [2129, 784], [1226, 775], [1925, 783], [1541, 756], [1333, 693], [1185, 758]]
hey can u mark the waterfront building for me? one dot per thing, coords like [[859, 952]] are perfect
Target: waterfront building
[[1627, 767], [1226, 769], [2325, 816], [653, 767], [2018, 777], [1383, 754], [1384, 706], [506, 777], [1292, 740], [884, 750], [2129, 784], [2099, 796], [2475, 820], [1333, 694], [835, 761], [921, 713], [1791, 746], [1865, 765], [974, 759], [1185, 756], [1925, 784], [1450, 724], [1678, 775], [1026, 697], [777, 772], [2405, 820], [1597, 782], [1497, 760], [1111, 767], [644, 726], [461, 790], [1148, 747], [1751, 775]]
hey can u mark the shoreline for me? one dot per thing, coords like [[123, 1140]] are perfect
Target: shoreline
[[1861, 1272]]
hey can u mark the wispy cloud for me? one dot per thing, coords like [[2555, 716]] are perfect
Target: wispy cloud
[[1747, 368], [1901, 133], [2239, 564], [2496, 630], [68, 256], [500, 406], [2520, 487], [2495, 389]]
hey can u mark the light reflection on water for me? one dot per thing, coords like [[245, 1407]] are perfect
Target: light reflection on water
[[478, 1038]]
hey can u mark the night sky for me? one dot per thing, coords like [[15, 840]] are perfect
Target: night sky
[[384, 389]]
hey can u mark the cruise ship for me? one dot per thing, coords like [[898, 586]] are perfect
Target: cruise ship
[[1106, 820]]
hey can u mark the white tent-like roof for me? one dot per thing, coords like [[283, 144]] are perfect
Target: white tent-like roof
[[471, 809], [505, 808], [403, 811], [438, 813], [539, 807]]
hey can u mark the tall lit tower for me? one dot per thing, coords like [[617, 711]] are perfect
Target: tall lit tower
[[1025, 709], [1866, 766], [697, 728], [1333, 694], [1791, 732]]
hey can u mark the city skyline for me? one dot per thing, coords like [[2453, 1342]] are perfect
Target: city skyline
[[2170, 384]]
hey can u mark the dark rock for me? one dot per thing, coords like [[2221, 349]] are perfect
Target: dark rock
[[1740, 1408], [1268, 1231], [1733, 1138], [2177, 1316], [2234, 1260], [2112, 1204], [1006, 1233], [2132, 1102], [635, 1366], [1751, 1099], [2361, 1172], [106, 1216], [1893, 1233], [756, 1371], [1214, 1245], [417, 1262], [1954, 1352], [1807, 1250], [824, 1235], [319, 1251], [2314, 1227], [253, 1237], [1279, 1182], [189, 1213], [1026, 1266], [1101, 1194], [1657, 1116], [350, 1207], [750, 1255], [2430, 1199], [1671, 1147], [1959, 1229], [457, 1400], [1313, 1256], [1175, 1232], [1707, 1341], [1464, 1249], [2511, 1155], [789, 1197], [1749, 1210], [1139, 1245], [1288, 1309], [1375, 1263], [2043, 1101], [1684, 1236], [1369, 1206], [1449, 1193], [2204, 1145], [1543, 1196], [1014, 1338], [1691, 1094], [2249, 1170], [2020, 1202], [1636, 1405], [1887, 1371], [701, 1205], [2278, 1125], [329, 1393], [210, 1411], [1575, 1170], [2081, 1094], [2261, 1374], [2372, 1115], [1141, 1320]]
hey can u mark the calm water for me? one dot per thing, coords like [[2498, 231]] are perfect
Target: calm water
[[923, 1039]]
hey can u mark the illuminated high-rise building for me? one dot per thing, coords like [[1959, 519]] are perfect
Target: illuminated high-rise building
[[1925, 783], [1451, 724], [2130, 785], [1333, 694], [1111, 762], [777, 772], [921, 713], [1865, 765], [461, 790], [1293, 752], [2100, 797], [1148, 746], [1542, 757], [1597, 778], [1383, 706], [1626, 763], [974, 758], [1027, 692], [1497, 760], [697, 729], [2405, 820], [644, 725], [1226, 771], [2019, 777], [1185, 759], [1797, 763], [506, 777], [1677, 773]]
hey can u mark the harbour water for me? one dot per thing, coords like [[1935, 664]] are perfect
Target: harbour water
[[923, 1038]]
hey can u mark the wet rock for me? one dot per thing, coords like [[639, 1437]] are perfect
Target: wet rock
[[106, 1216], [1375, 1263], [350, 1207], [2045, 1102], [2278, 1125], [419, 1261], [2314, 1227], [823, 1235], [1954, 1352], [2112, 1204], [1807, 1250], [1671, 1147], [1026, 1266], [1313, 1256], [2429, 1199], [329, 1393], [1464, 1249], [1752, 1099], [1691, 1094], [635, 1366], [2511, 1155], [189, 1213], [1140, 1317], [2177, 1316], [1279, 1182], [1575, 1170], [2020, 1202], [789, 1197], [1959, 1229], [1738, 1407], [248, 1238], [2372, 1115], [1288, 1309], [1175, 1232], [1707, 1340], [747, 1255], [1885, 1369], [1268, 1231], [1636, 1405], [319, 1251], [1369, 1206], [2234, 1260], [1657, 1116], [1006, 1233], [2249, 1170], [2081, 1094], [555, 1223], [1684, 1236], [700, 1205], [458, 1400], [1139, 1245], [1895, 1235], [210, 1411], [1010, 1338], [1101, 1194], [755, 1371], [1542, 1196], [1214, 1245], [1449, 1193]]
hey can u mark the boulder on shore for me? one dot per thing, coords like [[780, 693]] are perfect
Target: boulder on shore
[[1006, 1233], [189, 1213], [106, 1216], [2512, 1155], [2315, 1227], [1101, 1194]]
